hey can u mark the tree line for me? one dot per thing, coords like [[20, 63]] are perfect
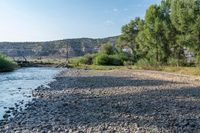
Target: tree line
[[169, 34]]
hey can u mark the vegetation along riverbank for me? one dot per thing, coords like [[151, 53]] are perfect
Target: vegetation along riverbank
[[7, 64], [165, 37]]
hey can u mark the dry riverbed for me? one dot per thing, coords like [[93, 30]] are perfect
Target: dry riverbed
[[126, 101]]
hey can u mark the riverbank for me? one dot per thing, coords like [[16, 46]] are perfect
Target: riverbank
[[193, 71], [112, 101]]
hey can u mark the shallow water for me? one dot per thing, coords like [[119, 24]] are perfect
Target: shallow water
[[17, 86]]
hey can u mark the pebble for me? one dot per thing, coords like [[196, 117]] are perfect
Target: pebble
[[127, 101]]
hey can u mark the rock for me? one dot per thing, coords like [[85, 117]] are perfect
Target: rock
[[6, 116], [112, 101]]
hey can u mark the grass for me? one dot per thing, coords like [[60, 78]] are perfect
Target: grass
[[195, 71], [96, 67], [7, 64]]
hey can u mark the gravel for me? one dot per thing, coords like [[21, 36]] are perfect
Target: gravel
[[125, 101]]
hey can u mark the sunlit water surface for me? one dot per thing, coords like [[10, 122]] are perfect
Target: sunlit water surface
[[17, 86]]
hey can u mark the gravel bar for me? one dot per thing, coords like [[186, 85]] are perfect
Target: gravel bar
[[114, 101]]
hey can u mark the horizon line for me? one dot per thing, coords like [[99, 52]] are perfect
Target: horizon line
[[59, 39]]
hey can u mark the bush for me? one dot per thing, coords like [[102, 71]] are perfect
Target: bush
[[173, 62], [128, 63], [75, 61], [145, 62], [107, 49], [124, 56], [197, 60], [102, 59], [142, 62], [181, 62], [7, 64], [115, 60], [87, 59]]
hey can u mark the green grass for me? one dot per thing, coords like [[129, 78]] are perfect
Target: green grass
[[96, 67], [195, 71], [74, 63], [7, 64]]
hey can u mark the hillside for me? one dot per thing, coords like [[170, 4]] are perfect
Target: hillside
[[59, 48]]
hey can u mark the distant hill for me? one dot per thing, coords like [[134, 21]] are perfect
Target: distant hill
[[59, 48]]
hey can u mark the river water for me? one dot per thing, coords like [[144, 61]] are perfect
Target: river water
[[17, 86]]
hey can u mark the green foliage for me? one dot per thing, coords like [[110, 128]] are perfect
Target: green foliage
[[102, 59], [84, 60], [129, 32], [115, 60], [173, 62], [197, 60], [184, 17], [169, 29], [87, 59], [145, 63], [7, 64], [107, 49], [123, 56], [109, 56]]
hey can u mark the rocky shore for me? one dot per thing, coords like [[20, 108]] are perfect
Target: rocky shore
[[127, 101]]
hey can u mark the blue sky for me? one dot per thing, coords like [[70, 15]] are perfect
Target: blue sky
[[42, 20]]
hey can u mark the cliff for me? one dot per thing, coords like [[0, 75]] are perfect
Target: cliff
[[59, 48]]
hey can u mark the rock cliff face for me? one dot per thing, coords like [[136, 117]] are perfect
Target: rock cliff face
[[60, 48]]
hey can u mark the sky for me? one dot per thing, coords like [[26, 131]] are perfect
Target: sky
[[45, 20]]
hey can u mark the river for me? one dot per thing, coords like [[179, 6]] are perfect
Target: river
[[16, 87]]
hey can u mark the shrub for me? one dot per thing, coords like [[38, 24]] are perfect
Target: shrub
[[197, 60], [74, 61], [124, 56], [128, 63], [115, 60], [87, 59], [145, 63], [173, 62], [7, 64], [102, 59], [180, 62]]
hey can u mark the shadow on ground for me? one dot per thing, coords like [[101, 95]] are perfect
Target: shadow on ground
[[174, 109], [106, 82]]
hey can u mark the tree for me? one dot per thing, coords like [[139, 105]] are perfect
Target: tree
[[107, 48], [196, 32], [168, 31], [129, 33], [153, 38], [184, 16], [128, 37]]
